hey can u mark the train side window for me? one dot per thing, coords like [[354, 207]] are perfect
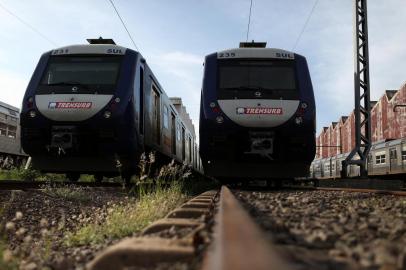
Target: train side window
[[380, 159], [166, 117]]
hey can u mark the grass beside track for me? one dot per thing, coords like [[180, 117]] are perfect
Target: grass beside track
[[33, 175], [125, 220]]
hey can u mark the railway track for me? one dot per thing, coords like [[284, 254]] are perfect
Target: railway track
[[214, 231], [25, 185]]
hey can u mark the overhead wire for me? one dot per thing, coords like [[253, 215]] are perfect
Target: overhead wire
[[305, 25], [28, 25], [125, 27], [249, 22]]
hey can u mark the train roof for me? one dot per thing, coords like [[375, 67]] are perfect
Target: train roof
[[90, 49], [272, 53]]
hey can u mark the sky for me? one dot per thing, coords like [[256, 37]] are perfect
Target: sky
[[174, 37]]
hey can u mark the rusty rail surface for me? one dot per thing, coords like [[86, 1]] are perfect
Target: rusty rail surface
[[239, 243]]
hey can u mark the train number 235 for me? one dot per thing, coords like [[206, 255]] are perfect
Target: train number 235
[[224, 55]]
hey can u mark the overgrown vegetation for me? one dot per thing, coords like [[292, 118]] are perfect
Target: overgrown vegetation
[[67, 192], [125, 219], [155, 195], [34, 175]]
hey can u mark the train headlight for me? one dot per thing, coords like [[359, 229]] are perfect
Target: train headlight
[[32, 114], [212, 104], [117, 99], [30, 102], [219, 119], [303, 105], [298, 120], [107, 114]]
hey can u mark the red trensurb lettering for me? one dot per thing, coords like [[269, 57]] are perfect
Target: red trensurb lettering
[[72, 105], [274, 111]]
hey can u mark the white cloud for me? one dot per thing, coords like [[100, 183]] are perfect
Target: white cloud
[[12, 87]]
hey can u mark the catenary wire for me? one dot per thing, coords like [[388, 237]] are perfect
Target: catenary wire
[[125, 27], [249, 22], [305, 25], [28, 25]]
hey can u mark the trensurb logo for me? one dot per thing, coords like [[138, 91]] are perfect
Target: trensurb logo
[[274, 111], [69, 105]]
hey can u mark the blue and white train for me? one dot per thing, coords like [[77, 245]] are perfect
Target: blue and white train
[[257, 114], [95, 108]]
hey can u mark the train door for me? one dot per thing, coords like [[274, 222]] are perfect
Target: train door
[[183, 144], [370, 164], [393, 159], [141, 121], [156, 116], [338, 168], [331, 167], [173, 133]]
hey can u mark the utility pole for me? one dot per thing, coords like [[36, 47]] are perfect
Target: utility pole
[[362, 92]]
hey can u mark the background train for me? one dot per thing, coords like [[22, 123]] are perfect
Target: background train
[[11, 153], [257, 114], [386, 158], [95, 108]]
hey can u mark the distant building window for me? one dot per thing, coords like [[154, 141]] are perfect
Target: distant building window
[[3, 129], [11, 112], [166, 117], [11, 132], [3, 116], [380, 159], [404, 155], [12, 119]]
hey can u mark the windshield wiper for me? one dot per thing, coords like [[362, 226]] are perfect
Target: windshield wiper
[[242, 88], [69, 83]]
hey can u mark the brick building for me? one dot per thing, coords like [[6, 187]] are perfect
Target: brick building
[[388, 121]]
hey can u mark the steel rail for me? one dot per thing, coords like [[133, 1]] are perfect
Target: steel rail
[[239, 243]]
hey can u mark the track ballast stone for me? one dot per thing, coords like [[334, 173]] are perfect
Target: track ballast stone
[[333, 230]]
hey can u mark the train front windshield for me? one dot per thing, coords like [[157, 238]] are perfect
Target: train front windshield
[[83, 74], [242, 78]]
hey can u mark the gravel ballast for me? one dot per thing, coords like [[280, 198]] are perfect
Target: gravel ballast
[[333, 230], [35, 224]]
